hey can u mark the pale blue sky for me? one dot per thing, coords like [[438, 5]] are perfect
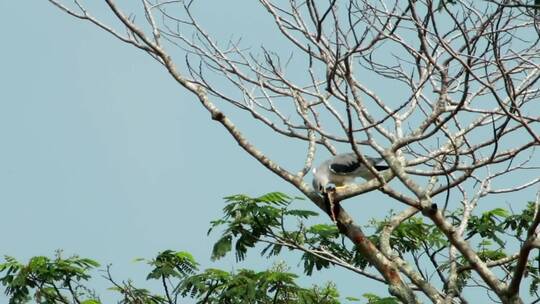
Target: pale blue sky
[[103, 155]]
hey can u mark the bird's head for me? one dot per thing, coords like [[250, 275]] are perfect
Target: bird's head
[[319, 182]]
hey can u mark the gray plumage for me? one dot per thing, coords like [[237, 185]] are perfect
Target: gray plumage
[[343, 169]]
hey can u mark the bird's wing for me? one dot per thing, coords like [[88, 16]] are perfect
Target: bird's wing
[[348, 164], [344, 163]]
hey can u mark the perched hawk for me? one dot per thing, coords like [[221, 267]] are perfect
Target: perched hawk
[[343, 169]]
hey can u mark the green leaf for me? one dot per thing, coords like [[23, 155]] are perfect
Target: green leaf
[[491, 255], [352, 299], [324, 230], [301, 213], [500, 212], [374, 299], [172, 264], [222, 247], [276, 198]]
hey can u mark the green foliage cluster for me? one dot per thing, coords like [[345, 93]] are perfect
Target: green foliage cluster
[[247, 286], [250, 221], [264, 220], [52, 279], [59, 281], [246, 222], [411, 236], [269, 224], [374, 299]]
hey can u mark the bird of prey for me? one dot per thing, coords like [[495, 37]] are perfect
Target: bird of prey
[[342, 169]]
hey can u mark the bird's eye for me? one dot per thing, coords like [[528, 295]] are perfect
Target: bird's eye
[[321, 188]]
